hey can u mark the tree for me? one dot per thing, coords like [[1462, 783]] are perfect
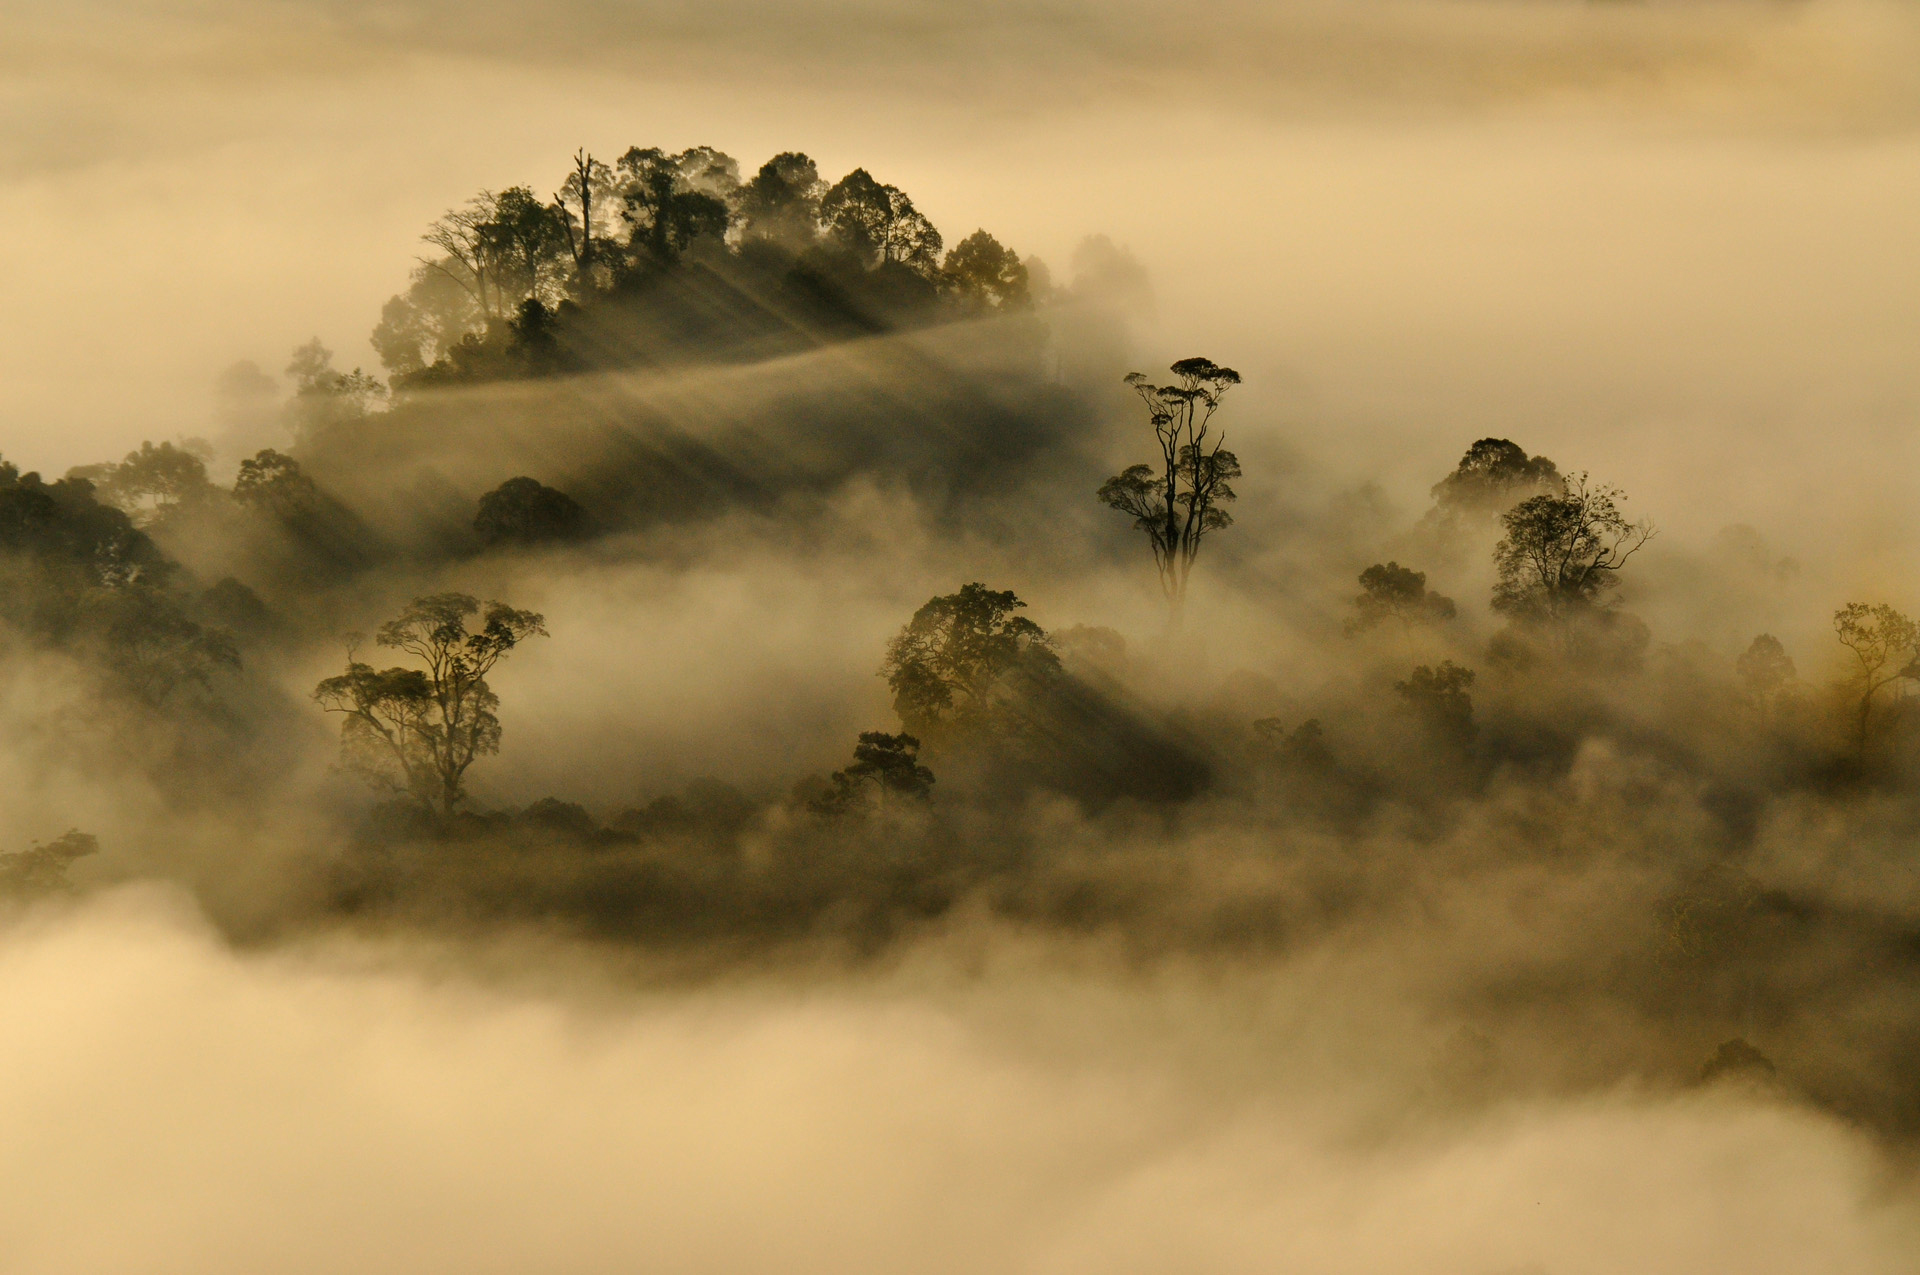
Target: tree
[[1563, 552], [323, 397], [469, 251], [957, 662], [272, 481], [80, 574], [1886, 649], [984, 275], [526, 511], [1764, 669], [879, 224], [1178, 504], [780, 204], [589, 188], [708, 171], [1389, 591], [1439, 697], [76, 542], [526, 242], [419, 326], [855, 212], [1492, 476], [152, 647], [885, 768], [419, 730], [41, 870], [665, 212], [152, 482], [1304, 747]]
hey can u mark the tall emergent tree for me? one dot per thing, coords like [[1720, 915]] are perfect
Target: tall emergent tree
[[1178, 502], [1563, 551], [589, 189], [417, 731], [1886, 649]]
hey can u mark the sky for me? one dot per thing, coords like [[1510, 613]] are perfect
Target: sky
[[1667, 240]]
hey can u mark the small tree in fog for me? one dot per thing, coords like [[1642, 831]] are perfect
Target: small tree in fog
[[1178, 500], [527, 511], [1439, 696], [152, 482], [419, 730], [1563, 552], [324, 397], [1886, 649], [1390, 592], [886, 768], [1764, 669], [952, 665]]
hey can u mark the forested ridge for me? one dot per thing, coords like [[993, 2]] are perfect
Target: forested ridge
[[664, 363]]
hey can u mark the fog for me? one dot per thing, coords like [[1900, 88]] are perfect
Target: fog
[[1214, 937], [176, 1107]]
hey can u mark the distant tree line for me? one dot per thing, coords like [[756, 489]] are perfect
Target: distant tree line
[[516, 284]]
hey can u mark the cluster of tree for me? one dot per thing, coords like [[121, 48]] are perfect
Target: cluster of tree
[[519, 285], [80, 575], [162, 488]]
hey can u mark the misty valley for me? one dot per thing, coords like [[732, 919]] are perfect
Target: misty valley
[[827, 709]]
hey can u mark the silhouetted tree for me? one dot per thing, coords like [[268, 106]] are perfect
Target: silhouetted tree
[[470, 251], [781, 203], [1302, 748], [419, 326], [236, 608], [954, 666], [272, 481], [324, 397], [885, 768], [1764, 669], [419, 730], [153, 482], [1391, 592], [526, 511], [1886, 649], [708, 172], [985, 275], [151, 645], [583, 201], [1178, 503], [1439, 696], [879, 223], [665, 212], [72, 539], [1494, 475], [78, 573], [41, 870], [1562, 552], [527, 249]]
